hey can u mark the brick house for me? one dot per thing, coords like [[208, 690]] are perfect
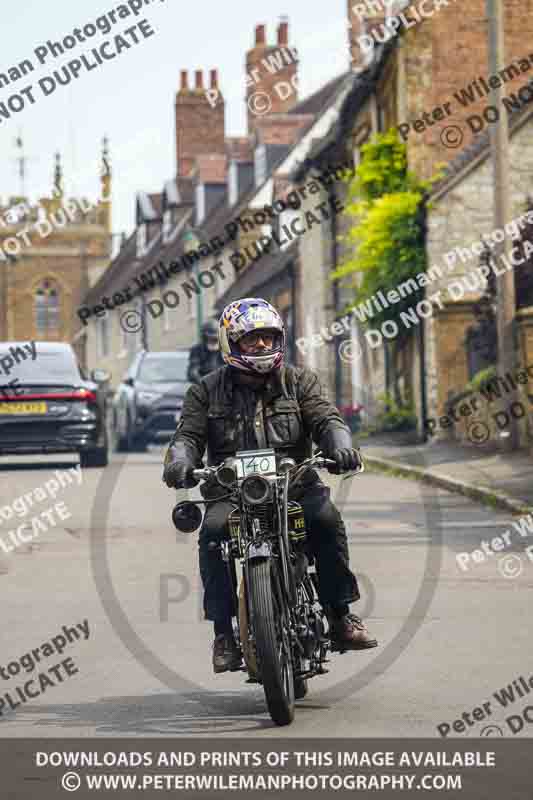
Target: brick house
[[411, 74], [219, 180]]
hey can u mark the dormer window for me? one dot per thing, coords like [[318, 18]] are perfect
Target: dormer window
[[260, 164], [233, 180], [141, 240], [200, 203]]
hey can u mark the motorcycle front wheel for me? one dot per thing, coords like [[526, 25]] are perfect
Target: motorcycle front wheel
[[272, 640]]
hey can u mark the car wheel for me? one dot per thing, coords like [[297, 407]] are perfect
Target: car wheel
[[94, 458]]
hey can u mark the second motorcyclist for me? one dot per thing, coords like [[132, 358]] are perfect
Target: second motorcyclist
[[205, 357]]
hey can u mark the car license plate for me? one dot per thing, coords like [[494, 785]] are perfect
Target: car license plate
[[23, 408], [257, 461]]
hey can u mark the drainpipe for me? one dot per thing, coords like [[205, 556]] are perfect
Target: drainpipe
[[423, 393], [336, 303], [422, 339], [292, 275]]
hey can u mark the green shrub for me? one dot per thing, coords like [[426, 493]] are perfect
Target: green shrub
[[393, 417], [481, 378]]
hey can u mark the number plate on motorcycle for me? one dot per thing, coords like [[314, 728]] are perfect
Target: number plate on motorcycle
[[258, 461]]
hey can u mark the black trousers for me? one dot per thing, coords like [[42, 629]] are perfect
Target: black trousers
[[326, 535]]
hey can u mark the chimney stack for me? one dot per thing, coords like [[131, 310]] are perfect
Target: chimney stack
[[271, 75], [260, 35], [200, 121], [283, 32]]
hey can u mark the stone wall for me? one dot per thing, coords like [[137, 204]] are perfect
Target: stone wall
[[463, 212]]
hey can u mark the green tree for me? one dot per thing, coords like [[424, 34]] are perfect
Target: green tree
[[385, 246]]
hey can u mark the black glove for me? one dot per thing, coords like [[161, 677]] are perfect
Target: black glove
[[337, 445], [178, 475], [346, 459]]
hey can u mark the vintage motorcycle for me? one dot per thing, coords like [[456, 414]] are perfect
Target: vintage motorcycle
[[281, 627]]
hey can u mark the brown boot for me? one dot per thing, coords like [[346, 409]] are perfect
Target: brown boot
[[227, 656], [349, 632]]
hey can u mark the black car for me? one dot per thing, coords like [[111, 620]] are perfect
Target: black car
[[48, 406], [149, 399]]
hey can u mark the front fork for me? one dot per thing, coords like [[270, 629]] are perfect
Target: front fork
[[229, 560]]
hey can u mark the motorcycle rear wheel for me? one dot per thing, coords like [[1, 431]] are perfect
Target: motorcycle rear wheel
[[271, 641]]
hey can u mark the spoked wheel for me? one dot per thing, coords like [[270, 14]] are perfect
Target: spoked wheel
[[272, 641]]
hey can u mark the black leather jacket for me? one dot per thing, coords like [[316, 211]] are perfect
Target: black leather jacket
[[288, 412]]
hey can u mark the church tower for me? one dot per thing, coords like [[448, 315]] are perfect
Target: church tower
[[51, 252]]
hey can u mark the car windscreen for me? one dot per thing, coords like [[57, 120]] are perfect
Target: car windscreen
[[54, 367], [156, 369]]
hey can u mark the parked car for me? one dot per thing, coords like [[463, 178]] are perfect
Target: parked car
[[52, 407], [149, 399]]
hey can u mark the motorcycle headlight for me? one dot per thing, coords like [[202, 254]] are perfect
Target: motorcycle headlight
[[187, 516], [255, 490]]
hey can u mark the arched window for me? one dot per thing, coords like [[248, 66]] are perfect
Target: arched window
[[47, 307]]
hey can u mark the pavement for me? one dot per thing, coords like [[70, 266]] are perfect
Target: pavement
[[486, 474]]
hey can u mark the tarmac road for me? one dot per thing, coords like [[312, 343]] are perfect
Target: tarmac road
[[448, 638]]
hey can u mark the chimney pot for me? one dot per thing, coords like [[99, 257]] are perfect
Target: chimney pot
[[260, 35], [283, 32], [184, 79], [199, 79], [214, 79]]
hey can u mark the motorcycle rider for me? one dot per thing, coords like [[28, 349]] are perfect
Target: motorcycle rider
[[253, 402], [205, 357]]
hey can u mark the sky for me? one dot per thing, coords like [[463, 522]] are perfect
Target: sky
[[131, 98]]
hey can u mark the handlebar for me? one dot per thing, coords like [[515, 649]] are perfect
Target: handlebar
[[318, 461], [203, 474]]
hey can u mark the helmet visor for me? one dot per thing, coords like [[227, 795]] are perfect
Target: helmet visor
[[260, 341]]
